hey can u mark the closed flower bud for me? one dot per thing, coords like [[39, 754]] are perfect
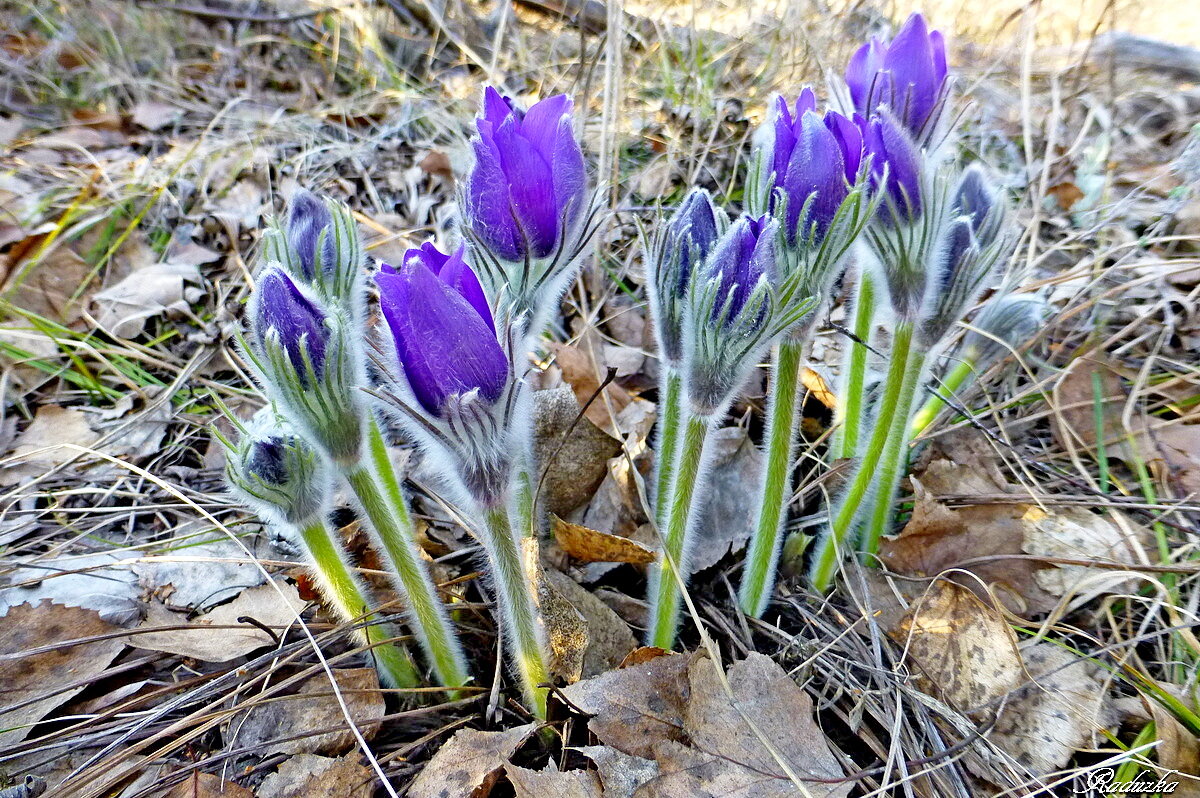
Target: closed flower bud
[[907, 76], [681, 245], [741, 261], [310, 235], [974, 241], [1005, 321], [814, 161], [276, 471], [896, 164], [443, 331], [528, 186], [282, 313]]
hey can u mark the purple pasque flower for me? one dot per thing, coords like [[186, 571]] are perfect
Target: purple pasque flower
[[907, 75], [282, 310], [445, 342], [741, 259], [974, 220], [453, 270], [815, 160], [309, 225], [528, 187], [896, 165], [267, 460]]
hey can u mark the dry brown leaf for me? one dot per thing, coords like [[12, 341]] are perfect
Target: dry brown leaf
[[1180, 446], [266, 726], [565, 627], [574, 460], [200, 640], [35, 683], [724, 523], [49, 286], [636, 706], [818, 387], [589, 545], [1178, 750], [470, 764], [1062, 710], [312, 776], [154, 116], [620, 774], [207, 785], [584, 372], [964, 651], [609, 638], [727, 755], [123, 309], [552, 782], [1075, 422]]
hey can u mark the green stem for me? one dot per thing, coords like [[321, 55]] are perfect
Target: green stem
[[784, 400], [523, 500], [346, 595], [950, 385], [518, 607], [395, 538], [891, 466], [825, 558], [388, 480], [846, 444], [668, 438], [665, 597]]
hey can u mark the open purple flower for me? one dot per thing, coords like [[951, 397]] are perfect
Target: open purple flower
[[311, 224], [442, 329], [907, 75], [528, 187], [814, 161], [282, 309], [739, 261], [896, 164]]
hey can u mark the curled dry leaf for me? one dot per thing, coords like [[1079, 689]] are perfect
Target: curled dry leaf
[[290, 724], [41, 665], [218, 636], [609, 638], [552, 782], [469, 764], [588, 545]]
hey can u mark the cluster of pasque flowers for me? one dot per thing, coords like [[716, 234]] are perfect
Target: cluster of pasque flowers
[[862, 185]]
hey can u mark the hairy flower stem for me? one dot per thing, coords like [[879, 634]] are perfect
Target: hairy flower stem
[[891, 464], [825, 558], [668, 438], [514, 588], [784, 400], [523, 509], [346, 595], [950, 384], [846, 443], [665, 597], [393, 535]]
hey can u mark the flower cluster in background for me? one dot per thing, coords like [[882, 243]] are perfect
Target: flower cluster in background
[[862, 197]]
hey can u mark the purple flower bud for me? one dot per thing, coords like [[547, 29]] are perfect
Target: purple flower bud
[[267, 460], [297, 321], [907, 75], [445, 343], [813, 160], [740, 259], [454, 272], [529, 185], [691, 233], [893, 151], [973, 226], [308, 219]]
